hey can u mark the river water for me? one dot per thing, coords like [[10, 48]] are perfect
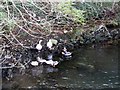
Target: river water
[[92, 67]]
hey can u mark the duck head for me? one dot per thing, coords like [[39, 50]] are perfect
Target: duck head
[[39, 46], [66, 53]]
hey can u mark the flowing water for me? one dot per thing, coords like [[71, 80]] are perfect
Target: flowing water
[[90, 68]]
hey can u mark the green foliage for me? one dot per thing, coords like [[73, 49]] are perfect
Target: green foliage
[[11, 23], [8, 22], [75, 14], [3, 15], [95, 10], [92, 10], [76, 35]]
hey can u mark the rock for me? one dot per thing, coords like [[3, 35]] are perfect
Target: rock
[[115, 33]]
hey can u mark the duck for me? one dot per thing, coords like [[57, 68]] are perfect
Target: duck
[[49, 44], [65, 52], [50, 62], [34, 63], [39, 46]]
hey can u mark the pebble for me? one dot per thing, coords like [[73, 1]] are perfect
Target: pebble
[[116, 83], [112, 77], [111, 83], [93, 81], [117, 76], [43, 83], [65, 78], [83, 82], [105, 85], [105, 72], [113, 71], [80, 75]]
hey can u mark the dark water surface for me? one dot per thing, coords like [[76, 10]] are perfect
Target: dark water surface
[[90, 68]]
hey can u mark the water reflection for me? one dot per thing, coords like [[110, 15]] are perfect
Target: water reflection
[[41, 70], [37, 71]]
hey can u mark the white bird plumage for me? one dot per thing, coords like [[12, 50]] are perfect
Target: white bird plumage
[[41, 60], [34, 63], [49, 44], [65, 52], [50, 62], [39, 46]]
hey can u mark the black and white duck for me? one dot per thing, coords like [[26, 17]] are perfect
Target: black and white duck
[[66, 53]]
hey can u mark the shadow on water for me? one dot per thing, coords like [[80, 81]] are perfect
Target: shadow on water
[[90, 68]]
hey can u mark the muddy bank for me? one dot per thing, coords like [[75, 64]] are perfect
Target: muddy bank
[[78, 38]]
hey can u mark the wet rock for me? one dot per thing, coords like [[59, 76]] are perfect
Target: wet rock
[[102, 33], [116, 83], [93, 81], [83, 82], [117, 76], [98, 34], [10, 73], [80, 75], [7, 71], [105, 72], [115, 33]]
